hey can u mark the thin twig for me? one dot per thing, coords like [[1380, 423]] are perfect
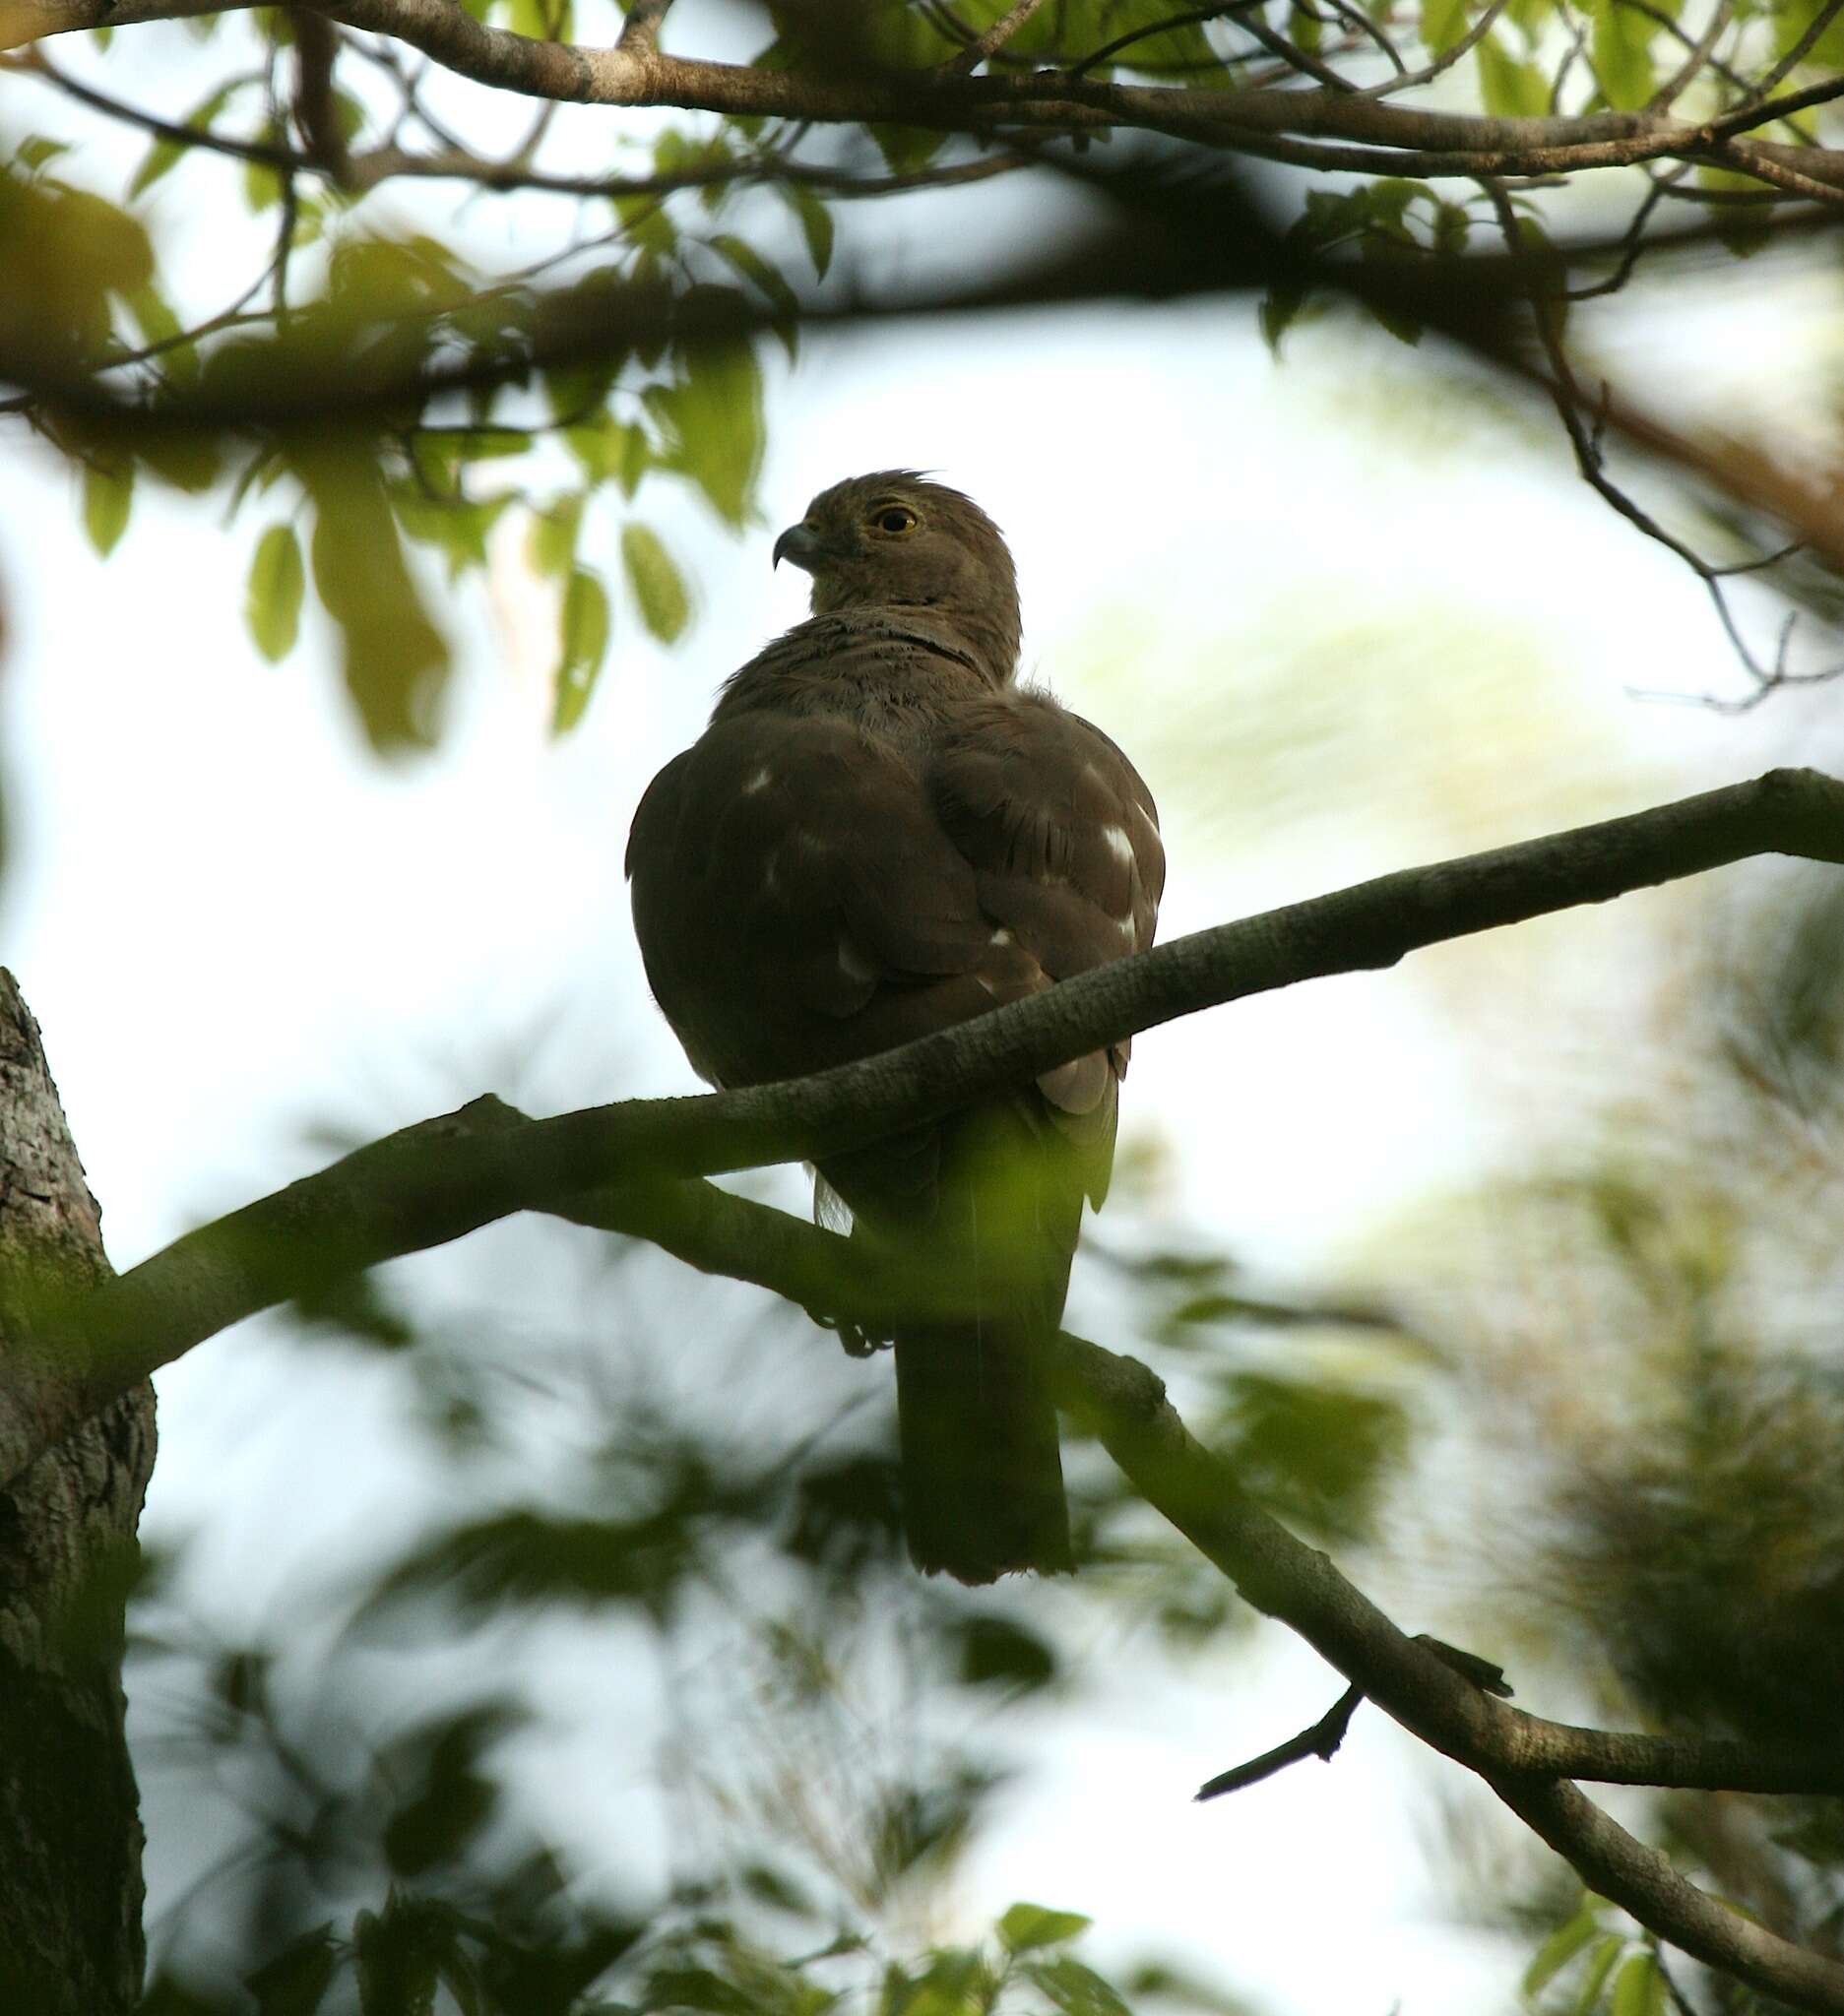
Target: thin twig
[[992, 41], [1446, 61], [1689, 71], [1321, 1740]]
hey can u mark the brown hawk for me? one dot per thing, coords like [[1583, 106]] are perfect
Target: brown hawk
[[879, 834]]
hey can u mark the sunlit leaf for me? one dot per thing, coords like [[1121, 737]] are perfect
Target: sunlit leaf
[[1639, 1987], [1076, 1989], [1594, 1975], [655, 582], [108, 495], [816, 224], [1511, 88], [551, 543], [394, 659], [1622, 58], [712, 418], [583, 635], [34, 150], [1443, 23], [1560, 1947], [167, 152], [1026, 1926], [272, 603]]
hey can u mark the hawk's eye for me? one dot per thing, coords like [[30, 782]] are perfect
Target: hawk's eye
[[896, 520]]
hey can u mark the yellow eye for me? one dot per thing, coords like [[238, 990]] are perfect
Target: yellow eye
[[895, 520]]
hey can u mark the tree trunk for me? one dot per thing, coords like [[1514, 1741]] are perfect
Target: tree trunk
[[69, 1826]]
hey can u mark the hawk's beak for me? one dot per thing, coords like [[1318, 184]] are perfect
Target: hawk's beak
[[801, 544]]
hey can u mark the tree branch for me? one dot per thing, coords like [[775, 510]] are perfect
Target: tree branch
[[444, 1178], [1366, 132]]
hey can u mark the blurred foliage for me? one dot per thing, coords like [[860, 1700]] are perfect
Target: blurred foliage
[[382, 391], [358, 1784], [1653, 1390]]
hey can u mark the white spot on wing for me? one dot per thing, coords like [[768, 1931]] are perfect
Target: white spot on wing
[[1000, 937], [757, 781], [1119, 843]]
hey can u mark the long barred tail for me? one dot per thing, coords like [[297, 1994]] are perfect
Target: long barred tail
[[982, 1475], [992, 1225]]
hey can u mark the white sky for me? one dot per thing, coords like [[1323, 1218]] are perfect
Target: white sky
[[1345, 614]]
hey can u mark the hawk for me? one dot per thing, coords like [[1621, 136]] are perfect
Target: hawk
[[880, 834]]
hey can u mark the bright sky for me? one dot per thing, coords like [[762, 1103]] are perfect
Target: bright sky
[[1345, 614]]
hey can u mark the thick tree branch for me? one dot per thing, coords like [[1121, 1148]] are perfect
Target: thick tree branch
[[1323, 127], [445, 1177], [1522, 1756]]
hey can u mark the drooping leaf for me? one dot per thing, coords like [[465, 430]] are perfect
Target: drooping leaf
[[34, 150], [1622, 54], [1639, 1987], [272, 603], [655, 582], [816, 224], [713, 420], [167, 152], [1026, 1926], [1076, 1989], [1511, 88], [1560, 1947], [551, 543], [583, 635], [108, 495], [1594, 1975], [395, 660], [296, 1980], [1443, 23]]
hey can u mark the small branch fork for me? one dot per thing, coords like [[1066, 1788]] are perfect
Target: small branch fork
[[622, 1167], [1325, 1735], [1332, 125], [1585, 425]]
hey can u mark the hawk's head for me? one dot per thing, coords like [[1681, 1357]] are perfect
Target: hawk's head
[[895, 540]]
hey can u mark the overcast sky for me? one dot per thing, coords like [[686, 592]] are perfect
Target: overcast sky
[[1345, 613]]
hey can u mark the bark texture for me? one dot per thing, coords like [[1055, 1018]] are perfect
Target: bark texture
[[69, 1828]]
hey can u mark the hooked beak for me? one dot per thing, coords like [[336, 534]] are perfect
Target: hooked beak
[[801, 544]]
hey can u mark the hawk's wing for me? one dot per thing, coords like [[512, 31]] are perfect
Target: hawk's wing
[[807, 894]]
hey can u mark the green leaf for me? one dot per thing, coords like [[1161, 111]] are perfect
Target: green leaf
[[164, 153], [768, 278], [1511, 90], [1639, 1987], [34, 150], [583, 633], [296, 1980], [816, 223], [107, 495], [1622, 58], [262, 186], [1600, 1966], [713, 419], [1028, 1925], [1280, 310], [550, 544], [906, 149], [655, 582], [1076, 1989], [1560, 1947], [271, 602], [394, 659], [1443, 23], [544, 21]]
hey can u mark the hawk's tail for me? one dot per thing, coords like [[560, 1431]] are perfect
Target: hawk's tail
[[982, 1479], [983, 1475]]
